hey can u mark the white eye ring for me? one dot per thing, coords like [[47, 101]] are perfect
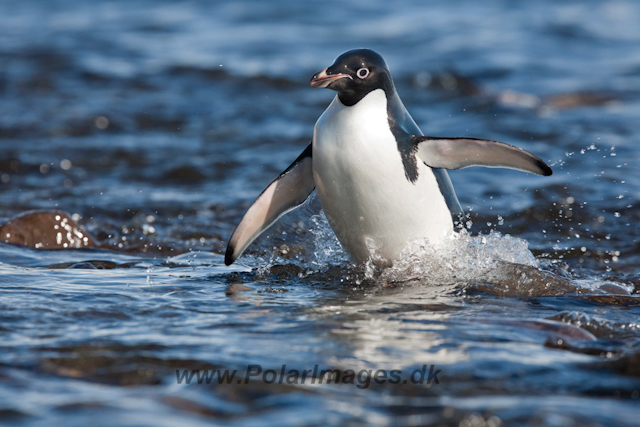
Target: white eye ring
[[362, 73]]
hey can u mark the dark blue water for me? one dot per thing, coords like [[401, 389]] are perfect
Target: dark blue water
[[156, 124]]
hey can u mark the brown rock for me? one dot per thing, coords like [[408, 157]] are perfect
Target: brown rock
[[236, 288], [580, 99], [45, 230]]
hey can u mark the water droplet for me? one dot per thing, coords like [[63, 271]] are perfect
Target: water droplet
[[65, 164], [101, 122]]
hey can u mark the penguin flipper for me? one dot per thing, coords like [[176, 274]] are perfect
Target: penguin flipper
[[446, 188], [457, 153], [289, 190]]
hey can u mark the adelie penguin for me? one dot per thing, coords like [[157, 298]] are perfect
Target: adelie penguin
[[381, 183]]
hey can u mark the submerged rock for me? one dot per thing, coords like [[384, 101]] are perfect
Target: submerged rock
[[570, 100], [45, 230]]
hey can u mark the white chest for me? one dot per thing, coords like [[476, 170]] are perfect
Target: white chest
[[362, 186]]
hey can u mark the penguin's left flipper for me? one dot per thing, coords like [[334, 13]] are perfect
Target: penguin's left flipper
[[289, 190], [457, 153]]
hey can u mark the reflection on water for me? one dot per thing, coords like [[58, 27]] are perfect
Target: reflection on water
[[154, 125]]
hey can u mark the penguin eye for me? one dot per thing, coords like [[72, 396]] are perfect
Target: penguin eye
[[362, 73]]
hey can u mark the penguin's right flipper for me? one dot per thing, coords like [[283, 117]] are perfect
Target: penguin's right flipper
[[289, 190]]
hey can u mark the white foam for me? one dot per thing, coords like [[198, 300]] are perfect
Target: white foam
[[462, 258]]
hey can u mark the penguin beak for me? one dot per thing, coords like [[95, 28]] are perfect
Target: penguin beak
[[322, 79]]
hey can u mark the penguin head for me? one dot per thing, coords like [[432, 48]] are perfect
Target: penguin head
[[354, 74]]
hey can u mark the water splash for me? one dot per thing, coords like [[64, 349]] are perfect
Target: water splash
[[314, 252], [327, 247], [461, 258]]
